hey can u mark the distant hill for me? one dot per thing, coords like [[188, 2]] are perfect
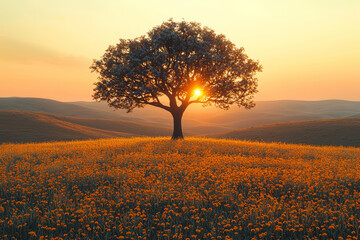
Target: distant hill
[[25, 126], [337, 132], [266, 112], [197, 120], [355, 116], [60, 108]]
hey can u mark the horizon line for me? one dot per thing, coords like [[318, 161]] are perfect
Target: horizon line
[[273, 100]]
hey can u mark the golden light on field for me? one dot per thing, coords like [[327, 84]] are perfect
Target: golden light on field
[[153, 188]]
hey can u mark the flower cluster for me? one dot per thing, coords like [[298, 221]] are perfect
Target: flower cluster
[[153, 188]]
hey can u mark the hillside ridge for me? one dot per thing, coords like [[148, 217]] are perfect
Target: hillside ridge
[[196, 120], [27, 126], [339, 131]]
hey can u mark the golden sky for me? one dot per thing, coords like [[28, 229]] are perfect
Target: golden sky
[[309, 50]]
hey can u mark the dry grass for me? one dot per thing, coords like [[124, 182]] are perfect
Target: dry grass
[[153, 188]]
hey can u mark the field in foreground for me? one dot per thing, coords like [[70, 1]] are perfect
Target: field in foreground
[[153, 188]]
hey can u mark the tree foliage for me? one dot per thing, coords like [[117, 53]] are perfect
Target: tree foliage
[[171, 61]]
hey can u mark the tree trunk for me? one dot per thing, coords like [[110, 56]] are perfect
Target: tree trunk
[[177, 133]]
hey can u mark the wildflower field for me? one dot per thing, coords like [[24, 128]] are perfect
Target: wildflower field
[[154, 188]]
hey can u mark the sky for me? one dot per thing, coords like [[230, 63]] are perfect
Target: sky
[[309, 50]]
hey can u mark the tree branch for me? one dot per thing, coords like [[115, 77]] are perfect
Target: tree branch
[[198, 101], [157, 104]]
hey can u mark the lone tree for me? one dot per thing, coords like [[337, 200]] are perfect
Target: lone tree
[[174, 65]]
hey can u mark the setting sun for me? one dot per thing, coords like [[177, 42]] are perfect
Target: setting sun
[[197, 92]]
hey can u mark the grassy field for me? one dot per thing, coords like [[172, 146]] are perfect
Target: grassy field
[[153, 188]]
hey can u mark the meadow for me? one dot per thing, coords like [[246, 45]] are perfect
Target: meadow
[[154, 188]]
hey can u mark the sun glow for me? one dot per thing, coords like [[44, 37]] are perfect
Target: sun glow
[[197, 93]]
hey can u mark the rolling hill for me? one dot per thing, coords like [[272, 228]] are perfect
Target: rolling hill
[[355, 116], [266, 112], [59, 108], [197, 120], [343, 131], [25, 126]]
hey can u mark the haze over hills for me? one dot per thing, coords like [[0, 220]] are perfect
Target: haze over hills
[[355, 116], [26, 126], [57, 107], [266, 112], [340, 131], [196, 120]]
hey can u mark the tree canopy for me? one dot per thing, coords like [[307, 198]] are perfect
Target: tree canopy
[[180, 61]]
